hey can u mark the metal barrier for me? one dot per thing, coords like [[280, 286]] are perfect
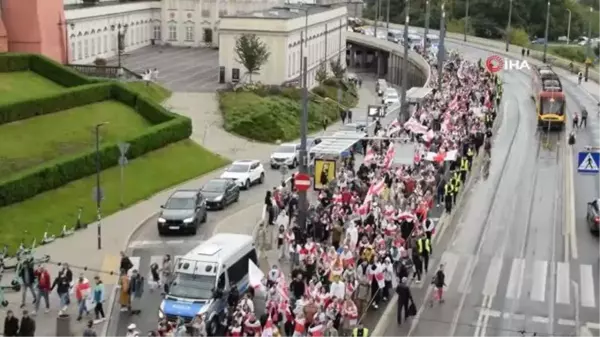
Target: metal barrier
[[106, 71]]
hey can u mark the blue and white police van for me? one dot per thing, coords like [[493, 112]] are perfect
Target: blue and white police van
[[215, 264]]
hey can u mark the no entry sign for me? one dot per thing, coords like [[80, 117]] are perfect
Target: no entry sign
[[302, 182]]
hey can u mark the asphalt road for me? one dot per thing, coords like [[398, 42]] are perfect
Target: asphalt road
[[509, 266]]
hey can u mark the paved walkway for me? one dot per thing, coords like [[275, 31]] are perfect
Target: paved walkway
[[80, 250]]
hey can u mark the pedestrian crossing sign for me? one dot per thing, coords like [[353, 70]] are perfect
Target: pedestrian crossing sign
[[588, 162]]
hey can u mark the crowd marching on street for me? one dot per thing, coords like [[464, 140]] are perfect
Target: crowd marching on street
[[368, 235]]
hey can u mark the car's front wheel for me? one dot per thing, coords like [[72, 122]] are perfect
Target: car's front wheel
[[262, 178], [247, 184]]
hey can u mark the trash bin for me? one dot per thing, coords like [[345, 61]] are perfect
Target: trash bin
[[63, 325]]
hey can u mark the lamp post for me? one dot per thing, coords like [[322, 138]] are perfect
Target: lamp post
[[121, 31], [427, 12], [508, 28], [546, 31], [387, 16], [98, 194], [588, 52], [302, 195], [441, 47], [467, 20], [377, 8], [66, 25], [569, 26], [403, 105]]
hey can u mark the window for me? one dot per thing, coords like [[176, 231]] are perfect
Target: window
[[208, 35], [93, 45], [79, 49], [99, 44], [188, 5], [72, 49], [86, 52], [239, 270], [189, 33], [172, 4], [172, 33], [222, 12], [156, 33], [105, 44]]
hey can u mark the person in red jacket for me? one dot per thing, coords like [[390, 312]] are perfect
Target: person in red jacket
[[44, 284]]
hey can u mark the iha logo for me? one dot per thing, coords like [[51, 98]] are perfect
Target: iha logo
[[497, 63]]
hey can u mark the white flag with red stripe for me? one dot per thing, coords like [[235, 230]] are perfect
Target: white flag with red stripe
[[453, 105], [369, 156], [441, 156], [394, 127], [268, 330], [415, 127], [429, 135], [389, 156], [256, 277]]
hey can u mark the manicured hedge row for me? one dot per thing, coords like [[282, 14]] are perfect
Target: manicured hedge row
[[62, 171], [44, 66], [42, 105]]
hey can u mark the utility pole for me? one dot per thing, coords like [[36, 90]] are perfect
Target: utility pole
[[404, 106], [303, 199], [387, 16], [467, 20], [427, 12], [588, 52], [98, 192], [546, 31], [441, 47], [377, 8], [508, 28], [569, 27]]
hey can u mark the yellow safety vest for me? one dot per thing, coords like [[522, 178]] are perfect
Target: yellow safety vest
[[470, 153], [457, 184], [447, 189], [464, 165], [420, 245], [364, 332]]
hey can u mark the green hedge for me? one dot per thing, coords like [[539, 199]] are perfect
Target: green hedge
[[573, 53], [44, 66], [55, 102]]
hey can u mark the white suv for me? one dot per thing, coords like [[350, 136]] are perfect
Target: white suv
[[286, 154], [245, 173]]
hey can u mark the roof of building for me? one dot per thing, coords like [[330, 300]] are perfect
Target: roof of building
[[286, 12]]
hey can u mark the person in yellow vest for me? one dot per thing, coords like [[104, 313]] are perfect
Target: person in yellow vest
[[424, 249], [470, 155], [360, 331], [457, 184], [464, 168], [448, 196]]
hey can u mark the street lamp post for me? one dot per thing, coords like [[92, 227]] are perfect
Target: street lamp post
[[98, 194], [427, 12], [466, 21], [387, 16], [65, 24], [588, 52], [403, 105], [441, 47], [377, 9], [508, 28], [569, 27], [546, 31], [303, 198]]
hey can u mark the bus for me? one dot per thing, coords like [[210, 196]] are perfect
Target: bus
[[549, 98]]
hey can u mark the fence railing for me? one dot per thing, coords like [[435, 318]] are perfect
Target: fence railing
[[106, 71]]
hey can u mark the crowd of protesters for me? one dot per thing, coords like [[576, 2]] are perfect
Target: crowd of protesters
[[368, 234]]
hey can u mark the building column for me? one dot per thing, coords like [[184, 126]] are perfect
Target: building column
[[363, 62]]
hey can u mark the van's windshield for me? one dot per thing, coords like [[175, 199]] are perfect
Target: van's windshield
[[192, 286]]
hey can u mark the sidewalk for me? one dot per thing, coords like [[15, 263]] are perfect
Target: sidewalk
[[80, 250]]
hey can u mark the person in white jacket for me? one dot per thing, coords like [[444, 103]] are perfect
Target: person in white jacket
[[429, 226], [338, 289]]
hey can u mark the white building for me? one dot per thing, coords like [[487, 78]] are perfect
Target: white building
[[281, 28], [93, 29]]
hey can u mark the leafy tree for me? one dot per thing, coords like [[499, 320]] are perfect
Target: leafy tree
[[597, 50], [337, 68], [519, 37], [321, 74], [252, 53]]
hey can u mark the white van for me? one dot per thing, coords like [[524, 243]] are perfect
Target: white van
[[213, 265]]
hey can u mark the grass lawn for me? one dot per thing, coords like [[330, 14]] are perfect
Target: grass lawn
[[153, 91], [22, 85], [144, 177], [29, 142]]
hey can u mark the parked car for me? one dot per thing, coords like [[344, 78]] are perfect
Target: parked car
[[183, 212], [245, 173], [593, 216], [285, 154], [220, 192]]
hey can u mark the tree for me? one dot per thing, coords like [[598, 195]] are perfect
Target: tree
[[321, 74], [252, 53], [337, 68]]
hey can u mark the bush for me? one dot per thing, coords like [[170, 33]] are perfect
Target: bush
[[519, 37], [458, 26], [574, 53], [56, 72], [13, 62]]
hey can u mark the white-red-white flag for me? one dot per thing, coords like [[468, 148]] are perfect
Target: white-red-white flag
[[268, 330]]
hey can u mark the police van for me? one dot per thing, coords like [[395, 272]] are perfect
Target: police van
[[202, 279]]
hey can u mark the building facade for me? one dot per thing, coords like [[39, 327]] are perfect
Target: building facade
[[282, 29]]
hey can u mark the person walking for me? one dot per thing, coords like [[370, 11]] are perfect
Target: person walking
[[27, 276], [82, 294], [584, 117], [124, 299], [125, 263], [166, 270], [62, 286], [27, 327], [44, 284], [136, 289], [404, 299], [11, 324], [418, 263], [439, 282], [98, 298], [424, 249]]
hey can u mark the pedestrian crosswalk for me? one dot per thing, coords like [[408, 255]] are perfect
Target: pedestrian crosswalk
[[521, 279]]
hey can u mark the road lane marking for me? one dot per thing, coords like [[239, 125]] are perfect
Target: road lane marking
[[493, 277], [486, 319], [450, 261], [481, 315], [571, 206], [595, 326], [538, 287], [567, 322], [586, 283], [540, 319], [491, 312], [515, 282], [563, 283], [463, 287], [135, 261]]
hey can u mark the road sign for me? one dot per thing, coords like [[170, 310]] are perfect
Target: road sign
[[123, 148], [302, 182], [588, 162], [123, 161]]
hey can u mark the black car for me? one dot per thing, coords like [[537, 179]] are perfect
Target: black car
[[593, 216], [220, 193], [183, 212]]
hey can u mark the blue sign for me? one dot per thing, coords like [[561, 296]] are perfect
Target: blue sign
[[181, 308], [588, 162]]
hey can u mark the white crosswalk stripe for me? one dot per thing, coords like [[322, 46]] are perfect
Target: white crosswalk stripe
[[537, 273], [135, 261]]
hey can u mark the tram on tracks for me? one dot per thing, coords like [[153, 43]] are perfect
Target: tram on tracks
[[549, 98]]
